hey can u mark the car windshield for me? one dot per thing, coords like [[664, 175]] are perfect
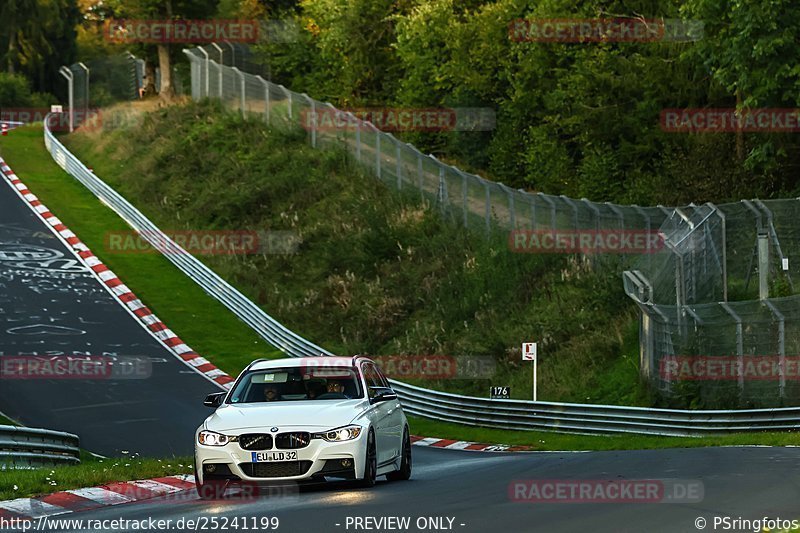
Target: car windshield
[[297, 384]]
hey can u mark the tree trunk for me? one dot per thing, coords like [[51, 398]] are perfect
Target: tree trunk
[[166, 91], [739, 133], [12, 50], [150, 79]]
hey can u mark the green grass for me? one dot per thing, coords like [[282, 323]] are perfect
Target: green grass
[[6, 421], [549, 441], [202, 322], [90, 473]]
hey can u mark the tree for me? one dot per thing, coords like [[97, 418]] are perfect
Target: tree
[[164, 53], [38, 36]]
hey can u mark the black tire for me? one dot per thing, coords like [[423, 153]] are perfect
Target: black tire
[[212, 490], [405, 463], [371, 465]]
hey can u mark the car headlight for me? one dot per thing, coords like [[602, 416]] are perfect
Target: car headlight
[[340, 434], [209, 438]]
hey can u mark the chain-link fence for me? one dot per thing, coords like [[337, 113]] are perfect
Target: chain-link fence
[[693, 260], [466, 198], [720, 321], [101, 82]]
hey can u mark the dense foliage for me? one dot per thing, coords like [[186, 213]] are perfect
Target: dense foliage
[[580, 119]]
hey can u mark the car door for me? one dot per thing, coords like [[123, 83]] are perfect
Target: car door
[[381, 416], [396, 419]]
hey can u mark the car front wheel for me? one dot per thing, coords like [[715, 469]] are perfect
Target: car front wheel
[[371, 464]]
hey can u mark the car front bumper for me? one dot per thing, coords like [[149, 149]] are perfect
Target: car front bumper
[[320, 458]]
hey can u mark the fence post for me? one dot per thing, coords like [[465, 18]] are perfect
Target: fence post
[[265, 83], [511, 209], [464, 195], [552, 204], [421, 173], [441, 194], [288, 94], [67, 73], [488, 213], [221, 63], [739, 344], [781, 345], [377, 149], [313, 120], [399, 157], [357, 122], [86, 91], [243, 103], [207, 68]]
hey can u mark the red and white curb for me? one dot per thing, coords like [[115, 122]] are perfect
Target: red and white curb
[[450, 444], [70, 501], [124, 295]]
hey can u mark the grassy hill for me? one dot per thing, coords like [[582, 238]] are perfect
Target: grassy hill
[[377, 272]]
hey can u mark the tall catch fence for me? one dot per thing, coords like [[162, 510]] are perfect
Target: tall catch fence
[[698, 284]]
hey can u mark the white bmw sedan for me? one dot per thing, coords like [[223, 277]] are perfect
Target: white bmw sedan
[[304, 419]]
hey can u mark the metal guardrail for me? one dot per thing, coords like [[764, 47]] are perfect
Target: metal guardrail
[[506, 414], [22, 447]]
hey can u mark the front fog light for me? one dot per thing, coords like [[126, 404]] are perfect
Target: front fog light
[[209, 438], [340, 434]]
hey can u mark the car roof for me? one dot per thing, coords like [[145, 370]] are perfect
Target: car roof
[[292, 362]]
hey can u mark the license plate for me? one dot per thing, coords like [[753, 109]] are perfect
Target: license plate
[[267, 457]]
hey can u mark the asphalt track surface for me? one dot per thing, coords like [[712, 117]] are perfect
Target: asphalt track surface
[[472, 489], [50, 304]]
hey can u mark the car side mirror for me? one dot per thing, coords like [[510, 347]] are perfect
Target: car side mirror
[[214, 400], [382, 394]]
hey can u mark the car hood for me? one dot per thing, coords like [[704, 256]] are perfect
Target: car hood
[[319, 414]]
